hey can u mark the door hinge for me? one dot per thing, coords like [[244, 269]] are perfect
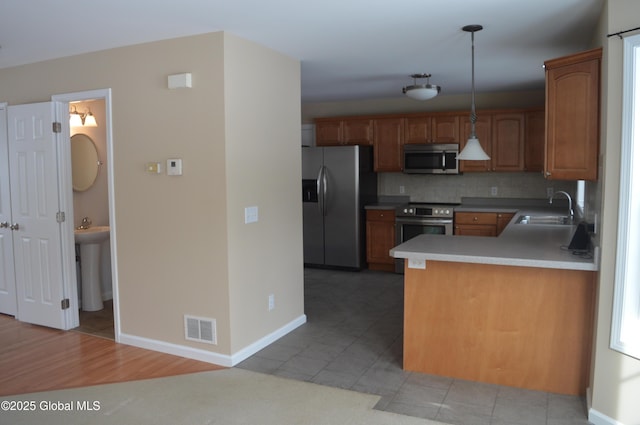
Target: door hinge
[[64, 304], [60, 217], [57, 127]]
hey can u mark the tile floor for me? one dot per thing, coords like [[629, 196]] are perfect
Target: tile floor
[[98, 323], [353, 339]]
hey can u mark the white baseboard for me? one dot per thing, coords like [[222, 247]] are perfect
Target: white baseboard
[[175, 349], [209, 356], [597, 418], [265, 341]]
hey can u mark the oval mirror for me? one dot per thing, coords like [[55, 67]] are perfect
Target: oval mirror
[[84, 162]]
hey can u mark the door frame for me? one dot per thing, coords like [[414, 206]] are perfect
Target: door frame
[[10, 271], [65, 170]]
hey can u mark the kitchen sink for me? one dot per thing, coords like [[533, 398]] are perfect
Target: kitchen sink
[[545, 219]]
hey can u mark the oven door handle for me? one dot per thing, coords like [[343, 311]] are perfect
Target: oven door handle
[[427, 221]]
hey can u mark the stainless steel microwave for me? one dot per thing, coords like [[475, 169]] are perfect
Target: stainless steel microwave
[[431, 159]]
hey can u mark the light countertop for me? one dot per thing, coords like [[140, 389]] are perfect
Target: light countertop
[[528, 245]]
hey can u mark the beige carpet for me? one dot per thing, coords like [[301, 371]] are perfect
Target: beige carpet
[[231, 396]]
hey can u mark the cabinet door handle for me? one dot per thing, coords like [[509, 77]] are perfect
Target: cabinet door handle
[[4, 225], [14, 226]]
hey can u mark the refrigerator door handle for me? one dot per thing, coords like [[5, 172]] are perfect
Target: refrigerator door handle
[[319, 190], [324, 190]]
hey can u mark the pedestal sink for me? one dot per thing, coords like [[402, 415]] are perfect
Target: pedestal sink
[[90, 241]]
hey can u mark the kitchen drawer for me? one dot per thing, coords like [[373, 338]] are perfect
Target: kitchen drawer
[[381, 215], [476, 218]]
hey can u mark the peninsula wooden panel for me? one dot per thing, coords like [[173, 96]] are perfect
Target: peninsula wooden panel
[[518, 326]]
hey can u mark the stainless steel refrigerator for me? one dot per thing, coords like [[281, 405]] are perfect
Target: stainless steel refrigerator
[[337, 182]]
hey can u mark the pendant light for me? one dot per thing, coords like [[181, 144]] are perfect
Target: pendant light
[[421, 91], [472, 150]]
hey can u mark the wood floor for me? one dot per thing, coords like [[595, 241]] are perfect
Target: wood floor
[[34, 358]]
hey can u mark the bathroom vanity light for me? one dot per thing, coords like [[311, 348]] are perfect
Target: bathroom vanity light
[[77, 119]]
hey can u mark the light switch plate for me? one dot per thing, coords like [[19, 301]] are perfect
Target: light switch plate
[[250, 215]]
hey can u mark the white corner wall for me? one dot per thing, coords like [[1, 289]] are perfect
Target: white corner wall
[[616, 377]]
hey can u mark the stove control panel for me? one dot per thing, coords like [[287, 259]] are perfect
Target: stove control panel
[[445, 211]]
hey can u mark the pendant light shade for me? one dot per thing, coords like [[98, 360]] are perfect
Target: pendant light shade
[[421, 91], [472, 150]]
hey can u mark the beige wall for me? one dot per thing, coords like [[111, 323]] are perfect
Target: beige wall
[[616, 379], [262, 103], [178, 238]]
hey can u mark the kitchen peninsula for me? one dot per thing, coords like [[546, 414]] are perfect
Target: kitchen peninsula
[[514, 310]]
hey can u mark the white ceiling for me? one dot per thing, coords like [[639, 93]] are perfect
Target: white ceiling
[[349, 49]]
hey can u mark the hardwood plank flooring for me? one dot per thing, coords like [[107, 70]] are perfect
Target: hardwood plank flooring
[[35, 358]]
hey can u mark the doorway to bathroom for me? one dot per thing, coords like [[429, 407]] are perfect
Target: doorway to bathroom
[[90, 133]]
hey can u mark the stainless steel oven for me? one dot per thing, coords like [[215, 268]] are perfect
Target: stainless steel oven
[[422, 218]]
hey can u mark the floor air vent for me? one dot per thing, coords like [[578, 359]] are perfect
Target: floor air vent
[[200, 329]]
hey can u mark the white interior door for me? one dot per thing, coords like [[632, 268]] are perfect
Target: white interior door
[[8, 302], [37, 248]]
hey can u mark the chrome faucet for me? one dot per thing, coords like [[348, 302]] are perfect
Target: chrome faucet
[[568, 197], [86, 223]]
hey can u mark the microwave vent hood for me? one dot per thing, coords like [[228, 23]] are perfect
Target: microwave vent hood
[[433, 158]]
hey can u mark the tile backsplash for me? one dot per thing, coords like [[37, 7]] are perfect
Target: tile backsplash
[[451, 188]]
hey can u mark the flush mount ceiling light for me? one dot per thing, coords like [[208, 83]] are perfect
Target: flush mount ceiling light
[[472, 150], [77, 119], [421, 91]]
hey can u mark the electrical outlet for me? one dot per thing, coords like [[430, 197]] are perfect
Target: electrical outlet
[[417, 264], [494, 190], [401, 189], [272, 302]]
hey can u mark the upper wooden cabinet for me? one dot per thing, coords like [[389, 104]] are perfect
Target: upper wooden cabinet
[[534, 141], [417, 130], [431, 129], [358, 132], [573, 116], [445, 129], [352, 131], [504, 134], [328, 133], [507, 137], [387, 144]]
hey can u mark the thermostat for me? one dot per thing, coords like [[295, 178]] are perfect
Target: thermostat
[[174, 167]]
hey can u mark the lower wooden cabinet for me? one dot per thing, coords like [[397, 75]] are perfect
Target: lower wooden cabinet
[[381, 237], [502, 220], [480, 223]]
